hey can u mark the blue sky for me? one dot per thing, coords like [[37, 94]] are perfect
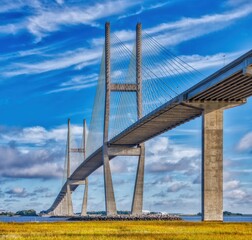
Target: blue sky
[[50, 54]]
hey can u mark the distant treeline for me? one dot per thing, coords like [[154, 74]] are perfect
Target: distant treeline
[[226, 213], [32, 212], [29, 212]]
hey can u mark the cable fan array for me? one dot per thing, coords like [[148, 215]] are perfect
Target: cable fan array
[[95, 133], [164, 76]]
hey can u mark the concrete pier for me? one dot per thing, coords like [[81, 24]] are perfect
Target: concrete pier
[[68, 202], [137, 203], [108, 185], [212, 156], [85, 197], [212, 165]]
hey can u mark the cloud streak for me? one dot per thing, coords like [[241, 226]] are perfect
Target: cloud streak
[[77, 83], [190, 28], [46, 20], [245, 143], [185, 29], [39, 136], [36, 152], [85, 57], [33, 164]]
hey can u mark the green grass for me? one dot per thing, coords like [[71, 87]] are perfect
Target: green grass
[[127, 230]]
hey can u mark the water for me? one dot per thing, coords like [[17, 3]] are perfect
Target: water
[[31, 219], [186, 218], [247, 218]]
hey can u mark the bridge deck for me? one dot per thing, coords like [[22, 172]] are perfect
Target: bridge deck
[[231, 83]]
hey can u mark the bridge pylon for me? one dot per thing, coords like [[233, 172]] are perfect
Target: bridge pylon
[[65, 206], [122, 150]]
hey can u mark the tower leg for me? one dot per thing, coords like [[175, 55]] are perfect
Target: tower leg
[[85, 197], [57, 211], [68, 202], [212, 165], [63, 206], [137, 204], [108, 185]]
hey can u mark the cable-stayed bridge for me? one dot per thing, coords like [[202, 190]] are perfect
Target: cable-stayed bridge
[[144, 90]]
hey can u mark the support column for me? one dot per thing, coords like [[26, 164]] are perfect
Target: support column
[[63, 206], [212, 165], [108, 184], [84, 203], [137, 203], [85, 197], [68, 199], [57, 211]]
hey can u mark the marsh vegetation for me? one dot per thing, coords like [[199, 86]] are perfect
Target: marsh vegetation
[[127, 230]]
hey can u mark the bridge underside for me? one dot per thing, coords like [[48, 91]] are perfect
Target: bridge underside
[[236, 87], [161, 121]]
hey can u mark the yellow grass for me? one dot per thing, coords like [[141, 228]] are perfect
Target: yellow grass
[[127, 230]]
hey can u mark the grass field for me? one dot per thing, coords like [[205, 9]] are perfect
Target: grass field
[[127, 230]]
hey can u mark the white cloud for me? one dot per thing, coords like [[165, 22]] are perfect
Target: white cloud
[[42, 164], [174, 33], [178, 132], [162, 181], [9, 6], [177, 186], [236, 194], [77, 83], [236, 3], [36, 152], [143, 9], [18, 192], [78, 87], [158, 145], [245, 143], [11, 28], [39, 135], [39, 170], [209, 61], [162, 155], [189, 28], [68, 59], [230, 185], [60, 2], [48, 20]]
